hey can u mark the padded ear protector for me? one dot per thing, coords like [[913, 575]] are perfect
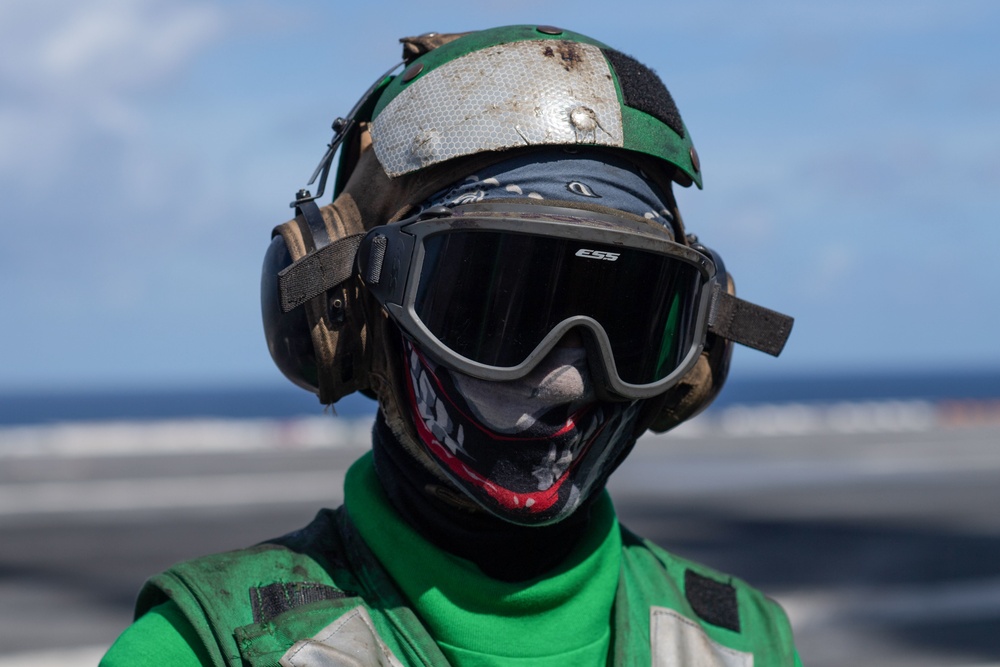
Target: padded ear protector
[[287, 334], [319, 344]]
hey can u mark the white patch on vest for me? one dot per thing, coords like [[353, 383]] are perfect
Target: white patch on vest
[[677, 641], [350, 641]]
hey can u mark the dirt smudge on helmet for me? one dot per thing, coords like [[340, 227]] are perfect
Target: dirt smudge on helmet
[[568, 53]]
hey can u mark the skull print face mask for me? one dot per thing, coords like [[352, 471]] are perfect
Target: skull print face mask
[[528, 451]]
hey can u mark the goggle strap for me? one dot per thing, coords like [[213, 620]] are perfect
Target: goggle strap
[[747, 323], [317, 272]]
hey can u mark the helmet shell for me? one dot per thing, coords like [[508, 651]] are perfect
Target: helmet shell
[[525, 86]]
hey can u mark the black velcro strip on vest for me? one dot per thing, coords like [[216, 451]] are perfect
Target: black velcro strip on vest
[[317, 272], [749, 324], [274, 599], [713, 601]]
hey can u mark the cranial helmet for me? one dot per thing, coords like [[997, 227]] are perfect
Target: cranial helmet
[[463, 102]]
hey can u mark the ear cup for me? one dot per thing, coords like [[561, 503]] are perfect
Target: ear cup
[[288, 334], [320, 345]]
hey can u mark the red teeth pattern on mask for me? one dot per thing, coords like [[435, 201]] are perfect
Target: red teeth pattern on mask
[[533, 502]]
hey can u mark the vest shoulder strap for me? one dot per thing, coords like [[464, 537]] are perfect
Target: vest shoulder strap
[[666, 595], [251, 606], [223, 592]]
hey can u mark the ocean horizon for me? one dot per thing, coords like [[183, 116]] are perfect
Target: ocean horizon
[[289, 402]]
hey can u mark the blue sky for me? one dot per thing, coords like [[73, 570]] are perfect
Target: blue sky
[[851, 154]]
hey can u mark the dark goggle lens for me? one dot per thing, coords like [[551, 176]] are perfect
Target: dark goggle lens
[[493, 296]]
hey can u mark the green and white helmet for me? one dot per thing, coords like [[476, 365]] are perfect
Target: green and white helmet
[[515, 87]]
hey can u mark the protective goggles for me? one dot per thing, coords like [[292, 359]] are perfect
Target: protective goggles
[[489, 289]]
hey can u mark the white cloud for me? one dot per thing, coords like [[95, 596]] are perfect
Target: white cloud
[[74, 68], [102, 43]]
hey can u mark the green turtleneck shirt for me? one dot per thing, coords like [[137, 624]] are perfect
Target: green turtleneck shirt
[[561, 618]]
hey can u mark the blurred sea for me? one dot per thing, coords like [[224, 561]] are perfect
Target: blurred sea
[[105, 422], [166, 404], [278, 402]]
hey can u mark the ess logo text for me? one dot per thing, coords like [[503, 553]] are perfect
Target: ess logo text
[[598, 254]]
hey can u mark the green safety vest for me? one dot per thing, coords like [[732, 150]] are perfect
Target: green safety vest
[[319, 597]]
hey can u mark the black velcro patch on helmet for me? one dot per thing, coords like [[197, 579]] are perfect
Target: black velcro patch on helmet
[[273, 599], [643, 90], [712, 600]]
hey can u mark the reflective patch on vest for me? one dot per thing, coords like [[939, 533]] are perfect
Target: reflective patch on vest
[[266, 602], [350, 641], [677, 641]]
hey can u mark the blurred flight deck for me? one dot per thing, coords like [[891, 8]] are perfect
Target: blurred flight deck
[[870, 514]]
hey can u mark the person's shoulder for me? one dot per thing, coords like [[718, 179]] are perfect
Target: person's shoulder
[[179, 611], [238, 588], [725, 605], [299, 556]]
